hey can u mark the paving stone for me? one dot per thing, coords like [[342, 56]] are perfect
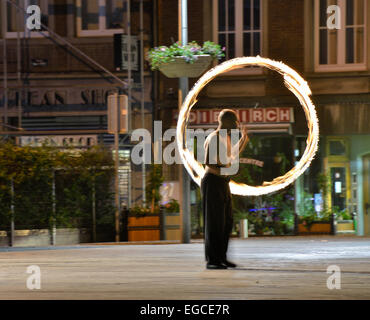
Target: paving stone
[[268, 268]]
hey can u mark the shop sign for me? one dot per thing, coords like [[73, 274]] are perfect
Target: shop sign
[[250, 115], [59, 141]]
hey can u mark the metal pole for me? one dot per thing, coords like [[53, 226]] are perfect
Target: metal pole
[[93, 210], [129, 187], [12, 213], [129, 82], [53, 237], [129, 57], [183, 91], [142, 91], [116, 165], [19, 71], [5, 63]]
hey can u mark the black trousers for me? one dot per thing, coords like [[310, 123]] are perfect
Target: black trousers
[[218, 220]]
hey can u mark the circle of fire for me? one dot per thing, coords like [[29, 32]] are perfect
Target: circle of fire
[[294, 82]]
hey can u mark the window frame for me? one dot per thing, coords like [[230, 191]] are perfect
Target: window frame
[[337, 158], [25, 33], [102, 31], [239, 34], [341, 64]]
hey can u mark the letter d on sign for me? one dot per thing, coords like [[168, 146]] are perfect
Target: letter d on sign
[[34, 280], [334, 281]]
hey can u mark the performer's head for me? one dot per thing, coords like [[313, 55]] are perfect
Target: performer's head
[[228, 119]]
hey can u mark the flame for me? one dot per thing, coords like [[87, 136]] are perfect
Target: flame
[[294, 82]]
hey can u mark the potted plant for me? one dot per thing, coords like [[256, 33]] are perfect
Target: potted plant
[[171, 220], [344, 222], [281, 204], [259, 218], [190, 60], [271, 214], [309, 222], [172, 206], [144, 222]]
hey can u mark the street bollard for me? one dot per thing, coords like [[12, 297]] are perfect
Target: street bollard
[[243, 227]]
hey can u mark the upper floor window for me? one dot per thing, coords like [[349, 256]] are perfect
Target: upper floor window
[[344, 48], [238, 27], [100, 17], [16, 18]]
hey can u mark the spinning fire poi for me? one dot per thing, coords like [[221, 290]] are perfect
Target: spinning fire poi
[[216, 231]]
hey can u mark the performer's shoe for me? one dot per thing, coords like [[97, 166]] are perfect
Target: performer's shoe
[[229, 264], [216, 266]]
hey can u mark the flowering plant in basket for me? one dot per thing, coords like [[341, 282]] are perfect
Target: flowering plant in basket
[[190, 52]]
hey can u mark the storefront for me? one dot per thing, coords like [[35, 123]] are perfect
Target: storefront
[[271, 145], [343, 156]]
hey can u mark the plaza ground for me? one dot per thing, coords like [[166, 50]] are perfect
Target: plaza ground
[[268, 268]]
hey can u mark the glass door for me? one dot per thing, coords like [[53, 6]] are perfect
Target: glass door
[[338, 187], [366, 190]]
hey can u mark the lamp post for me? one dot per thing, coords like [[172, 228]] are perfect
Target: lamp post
[[183, 91], [116, 169], [117, 123]]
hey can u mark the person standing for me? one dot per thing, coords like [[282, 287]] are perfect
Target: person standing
[[216, 196]]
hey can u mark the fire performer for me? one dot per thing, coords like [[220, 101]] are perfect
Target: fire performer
[[216, 196]]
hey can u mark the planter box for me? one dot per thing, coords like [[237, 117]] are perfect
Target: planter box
[[43, 237], [318, 227], [153, 227], [180, 68], [171, 226], [4, 241], [32, 238], [345, 227], [145, 228]]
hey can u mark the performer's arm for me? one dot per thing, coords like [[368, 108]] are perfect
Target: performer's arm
[[242, 143], [244, 139]]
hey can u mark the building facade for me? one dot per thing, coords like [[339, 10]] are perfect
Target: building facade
[[335, 63], [55, 85], [49, 89]]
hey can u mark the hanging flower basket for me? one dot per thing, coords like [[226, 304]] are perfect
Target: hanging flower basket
[[190, 60], [180, 68]]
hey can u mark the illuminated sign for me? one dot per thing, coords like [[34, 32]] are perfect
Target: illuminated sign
[[250, 115]]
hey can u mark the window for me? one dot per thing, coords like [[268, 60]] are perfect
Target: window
[[16, 19], [337, 148], [344, 48], [100, 17], [238, 27]]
